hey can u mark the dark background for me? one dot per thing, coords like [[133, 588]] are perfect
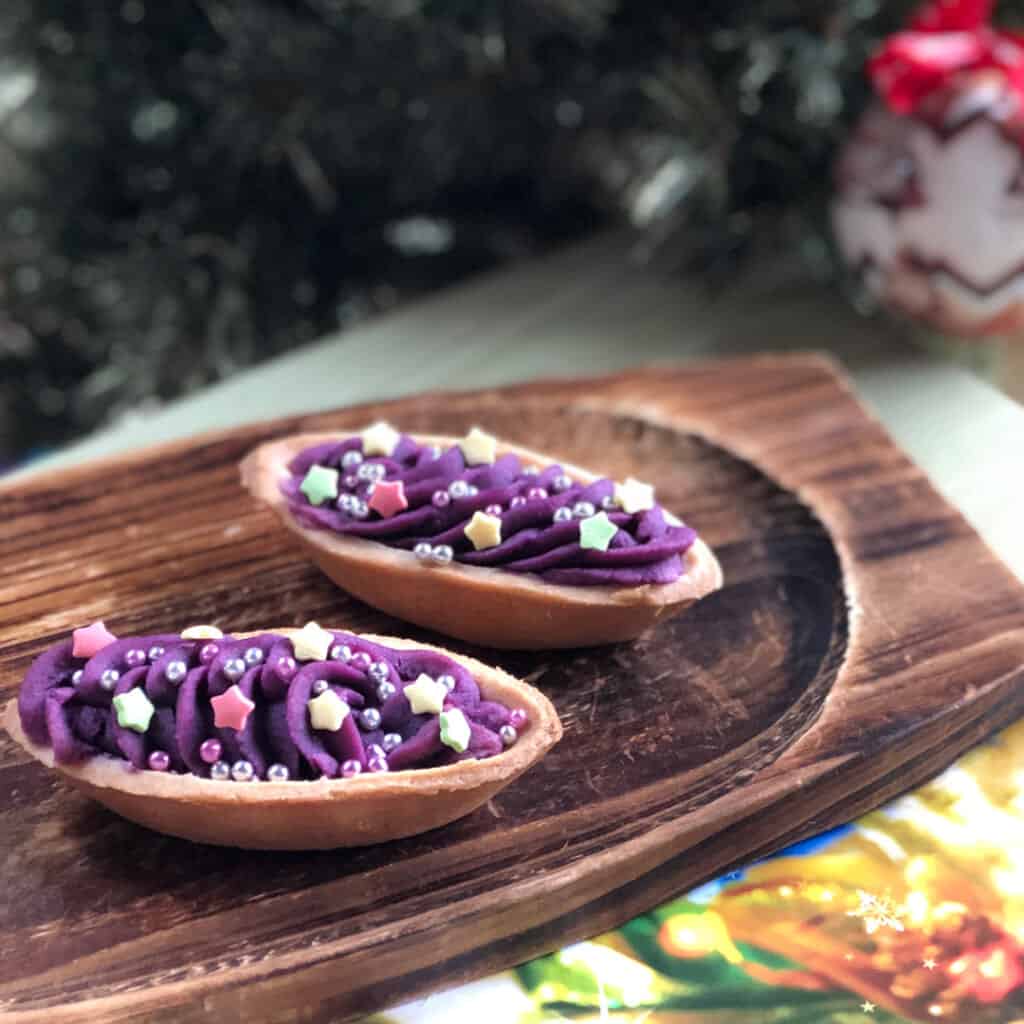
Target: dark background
[[189, 186]]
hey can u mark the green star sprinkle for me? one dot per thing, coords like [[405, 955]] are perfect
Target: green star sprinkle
[[320, 484], [134, 710], [597, 531], [455, 730]]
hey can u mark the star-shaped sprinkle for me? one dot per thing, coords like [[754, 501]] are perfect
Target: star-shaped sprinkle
[[455, 730], [479, 448], [426, 696], [312, 643], [231, 709], [596, 532], [877, 912], [929, 964], [867, 1007], [634, 496], [380, 439], [328, 711], [320, 484], [134, 710], [388, 498], [483, 530], [89, 640], [201, 633]]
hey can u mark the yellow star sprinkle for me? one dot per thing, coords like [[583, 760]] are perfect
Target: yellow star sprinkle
[[929, 964], [867, 1007], [201, 633], [327, 712], [479, 448], [312, 643], [426, 696], [380, 439], [634, 496], [483, 530]]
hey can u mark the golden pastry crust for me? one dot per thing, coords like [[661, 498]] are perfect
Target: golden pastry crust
[[325, 813], [477, 604]]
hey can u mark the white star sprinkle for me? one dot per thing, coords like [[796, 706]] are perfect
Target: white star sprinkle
[[634, 496], [380, 439]]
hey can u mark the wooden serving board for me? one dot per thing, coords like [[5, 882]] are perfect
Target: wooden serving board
[[865, 638]]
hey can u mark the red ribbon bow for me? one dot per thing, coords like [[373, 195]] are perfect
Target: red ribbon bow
[[944, 38]]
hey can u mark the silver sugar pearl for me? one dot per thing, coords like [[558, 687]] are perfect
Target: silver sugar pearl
[[351, 481], [351, 459], [447, 681], [360, 510], [458, 488], [423, 551], [377, 764], [176, 671], [563, 514], [346, 502], [320, 686], [442, 554], [508, 735], [440, 499], [278, 773], [242, 771], [370, 719], [234, 669], [391, 740], [377, 471], [365, 471], [253, 656], [362, 661], [341, 652], [220, 771], [109, 678], [473, 491], [608, 502], [531, 471], [135, 658], [379, 671], [386, 691], [76, 677], [583, 509], [156, 651], [562, 482]]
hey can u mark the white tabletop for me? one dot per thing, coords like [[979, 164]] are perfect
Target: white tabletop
[[592, 309]]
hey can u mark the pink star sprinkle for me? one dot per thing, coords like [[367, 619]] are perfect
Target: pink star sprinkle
[[388, 498], [89, 640], [231, 709]]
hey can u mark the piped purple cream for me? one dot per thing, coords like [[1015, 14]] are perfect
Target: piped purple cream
[[443, 505], [164, 703]]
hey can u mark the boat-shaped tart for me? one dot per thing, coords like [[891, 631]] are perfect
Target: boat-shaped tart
[[305, 738], [482, 540]]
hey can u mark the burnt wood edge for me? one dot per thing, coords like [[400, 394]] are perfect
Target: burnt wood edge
[[255, 431]]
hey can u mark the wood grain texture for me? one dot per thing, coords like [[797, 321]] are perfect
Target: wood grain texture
[[865, 637]]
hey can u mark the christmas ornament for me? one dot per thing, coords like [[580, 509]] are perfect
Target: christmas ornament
[[930, 194]]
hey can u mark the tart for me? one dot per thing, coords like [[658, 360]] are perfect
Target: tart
[[286, 739], [482, 540]]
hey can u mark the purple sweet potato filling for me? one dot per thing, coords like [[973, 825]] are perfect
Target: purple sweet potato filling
[[67, 703], [647, 548]]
